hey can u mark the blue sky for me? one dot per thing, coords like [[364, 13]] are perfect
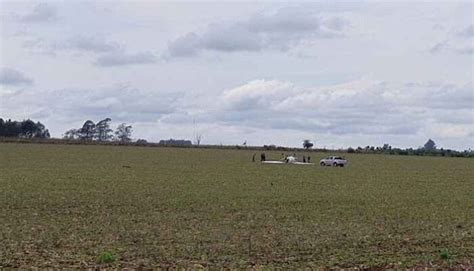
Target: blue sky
[[339, 73]]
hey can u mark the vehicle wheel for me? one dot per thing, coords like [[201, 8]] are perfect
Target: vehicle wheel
[[341, 165], [335, 164], [322, 164]]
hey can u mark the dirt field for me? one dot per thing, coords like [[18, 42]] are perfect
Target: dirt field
[[99, 206]]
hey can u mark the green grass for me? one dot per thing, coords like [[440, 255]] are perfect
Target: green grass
[[445, 255], [64, 206], [107, 257]]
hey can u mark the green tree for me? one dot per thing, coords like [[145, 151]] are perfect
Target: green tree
[[87, 131], [72, 134], [103, 131], [25, 129], [430, 145], [307, 144]]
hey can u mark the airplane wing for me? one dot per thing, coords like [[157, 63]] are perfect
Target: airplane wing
[[283, 162], [273, 162], [301, 163]]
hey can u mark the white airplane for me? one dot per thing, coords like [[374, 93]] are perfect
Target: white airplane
[[287, 160]]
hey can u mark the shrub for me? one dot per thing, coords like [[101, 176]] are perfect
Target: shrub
[[445, 255], [107, 257]]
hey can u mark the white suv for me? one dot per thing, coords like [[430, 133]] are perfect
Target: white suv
[[336, 161]]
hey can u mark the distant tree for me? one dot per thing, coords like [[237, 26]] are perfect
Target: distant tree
[[87, 132], [198, 139], [25, 129], [307, 144], [28, 129], [103, 131], [72, 134], [41, 131], [10, 128], [141, 142], [176, 142], [429, 145], [270, 147], [123, 133]]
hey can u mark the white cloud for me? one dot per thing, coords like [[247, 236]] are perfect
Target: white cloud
[[467, 32], [118, 102], [10, 76], [451, 131], [4, 91], [468, 50], [359, 107], [307, 51], [87, 44], [277, 30], [461, 42], [438, 47], [121, 59], [42, 12], [256, 94]]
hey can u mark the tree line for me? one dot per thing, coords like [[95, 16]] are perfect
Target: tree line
[[23, 129], [100, 131], [428, 149]]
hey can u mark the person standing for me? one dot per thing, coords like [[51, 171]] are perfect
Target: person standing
[[309, 159], [253, 157]]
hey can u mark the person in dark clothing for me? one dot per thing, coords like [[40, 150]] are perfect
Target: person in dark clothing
[[253, 157], [309, 159], [262, 157], [304, 159]]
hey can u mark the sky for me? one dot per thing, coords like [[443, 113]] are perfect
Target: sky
[[263, 72]]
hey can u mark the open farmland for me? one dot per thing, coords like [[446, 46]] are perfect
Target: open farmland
[[90, 206]]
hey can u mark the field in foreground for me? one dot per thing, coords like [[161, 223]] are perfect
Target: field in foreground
[[90, 206]]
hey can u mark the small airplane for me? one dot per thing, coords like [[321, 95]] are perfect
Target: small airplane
[[290, 159]]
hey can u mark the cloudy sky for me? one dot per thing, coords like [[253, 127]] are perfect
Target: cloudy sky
[[339, 73]]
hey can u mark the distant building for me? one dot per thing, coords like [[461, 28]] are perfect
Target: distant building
[[176, 142]]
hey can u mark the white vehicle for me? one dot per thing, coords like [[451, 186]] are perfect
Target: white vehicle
[[336, 161]]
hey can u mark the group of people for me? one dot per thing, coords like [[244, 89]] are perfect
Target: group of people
[[287, 158], [262, 157], [284, 157]]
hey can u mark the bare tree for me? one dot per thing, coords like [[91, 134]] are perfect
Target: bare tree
[[71, 134], [198, 139], [123, 132]]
